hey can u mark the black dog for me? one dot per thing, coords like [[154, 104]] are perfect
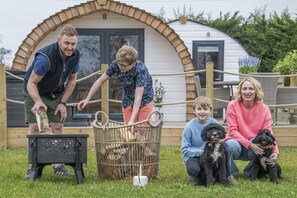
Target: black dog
[[213, 158], [260, 168]]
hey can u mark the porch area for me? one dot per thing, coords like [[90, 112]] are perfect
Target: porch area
[[15, 137], [286, 135]]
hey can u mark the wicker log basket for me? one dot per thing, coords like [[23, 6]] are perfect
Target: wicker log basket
[[121, 148]]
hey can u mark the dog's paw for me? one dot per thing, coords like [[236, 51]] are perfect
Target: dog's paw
[[275, 181], [209, 185], [253, 177]]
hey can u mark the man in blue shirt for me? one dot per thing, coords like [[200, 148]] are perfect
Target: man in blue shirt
[[44, 87]]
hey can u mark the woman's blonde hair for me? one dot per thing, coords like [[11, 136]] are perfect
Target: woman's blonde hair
[[202, 101], [259, 94], [127, 54]]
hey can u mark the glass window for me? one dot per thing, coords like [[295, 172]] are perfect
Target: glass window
[[208, 51], [90, 62]]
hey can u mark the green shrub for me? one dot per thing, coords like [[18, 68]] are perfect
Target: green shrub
[[287, 65], [159, 93]]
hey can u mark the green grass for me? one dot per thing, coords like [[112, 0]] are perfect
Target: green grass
[[172, 180]]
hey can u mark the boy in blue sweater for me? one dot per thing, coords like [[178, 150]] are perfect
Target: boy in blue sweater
[[192, 143]]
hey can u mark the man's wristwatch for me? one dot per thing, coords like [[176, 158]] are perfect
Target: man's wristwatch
[[63, 103]]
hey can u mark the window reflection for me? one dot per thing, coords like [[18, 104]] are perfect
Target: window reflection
[[90, 62], [209, 51]]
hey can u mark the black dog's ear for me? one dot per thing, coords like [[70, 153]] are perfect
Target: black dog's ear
[[273, 138], [222, 129], [204, 133], [256, 139], [268, 132]]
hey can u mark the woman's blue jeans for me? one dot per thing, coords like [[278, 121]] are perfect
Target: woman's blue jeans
[[238, 152]]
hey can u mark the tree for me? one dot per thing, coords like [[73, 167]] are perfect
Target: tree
[[268, 37], [3, 52]]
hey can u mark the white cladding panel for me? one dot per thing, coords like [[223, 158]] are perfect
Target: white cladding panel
[[191, 31], [160, 58]]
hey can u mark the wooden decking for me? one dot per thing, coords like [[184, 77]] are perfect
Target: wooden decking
[[286, 135]]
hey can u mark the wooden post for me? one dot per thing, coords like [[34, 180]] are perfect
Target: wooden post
[[281, 80], [209, 82], [293, 81], [104, 94], [3, 108]]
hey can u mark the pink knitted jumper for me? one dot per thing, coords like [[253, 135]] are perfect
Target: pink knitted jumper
[[244, 124]]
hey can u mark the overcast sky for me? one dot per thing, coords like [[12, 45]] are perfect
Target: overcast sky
[[19, 17]]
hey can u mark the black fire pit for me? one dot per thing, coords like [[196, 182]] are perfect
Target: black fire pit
[[69, 149]]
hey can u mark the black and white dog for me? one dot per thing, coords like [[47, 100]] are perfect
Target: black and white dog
[[260, 168], [213, 158]]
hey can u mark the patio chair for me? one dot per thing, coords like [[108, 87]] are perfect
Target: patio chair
[[287, 97], [269, 87], [222, 93]]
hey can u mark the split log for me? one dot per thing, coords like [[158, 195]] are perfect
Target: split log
[[42, 120], [127, 135], [113, 146], [149, 152], [120, 151]]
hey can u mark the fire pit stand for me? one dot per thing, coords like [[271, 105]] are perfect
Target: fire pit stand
[[68, 149]]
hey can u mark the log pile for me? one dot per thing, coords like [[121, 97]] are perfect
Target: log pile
[[123, 152]]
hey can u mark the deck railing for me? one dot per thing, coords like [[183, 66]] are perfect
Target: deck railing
[[105, 93]]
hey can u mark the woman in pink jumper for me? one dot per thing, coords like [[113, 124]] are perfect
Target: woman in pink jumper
[[246, 115]]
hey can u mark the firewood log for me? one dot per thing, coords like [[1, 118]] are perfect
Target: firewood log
[[113, 146], [127, 135], [42, 120], [149, 152]]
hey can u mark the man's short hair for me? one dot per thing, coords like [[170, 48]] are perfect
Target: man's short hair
[[68, 30]]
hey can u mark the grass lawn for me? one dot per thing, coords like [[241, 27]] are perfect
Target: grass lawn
[[172, 180]]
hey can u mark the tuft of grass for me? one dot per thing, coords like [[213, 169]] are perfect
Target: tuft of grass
[[172, 181]]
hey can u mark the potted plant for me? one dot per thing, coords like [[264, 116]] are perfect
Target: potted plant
[[248, 64], [288, 65], [159, 93]]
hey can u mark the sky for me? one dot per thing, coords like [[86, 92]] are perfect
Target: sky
[[19, 17]]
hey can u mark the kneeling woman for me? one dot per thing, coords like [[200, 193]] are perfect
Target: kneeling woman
[[246, 115]]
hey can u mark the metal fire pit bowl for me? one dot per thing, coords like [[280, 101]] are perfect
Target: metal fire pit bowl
[[68, 149]]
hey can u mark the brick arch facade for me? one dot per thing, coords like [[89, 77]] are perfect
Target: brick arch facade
[[50, 24]]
